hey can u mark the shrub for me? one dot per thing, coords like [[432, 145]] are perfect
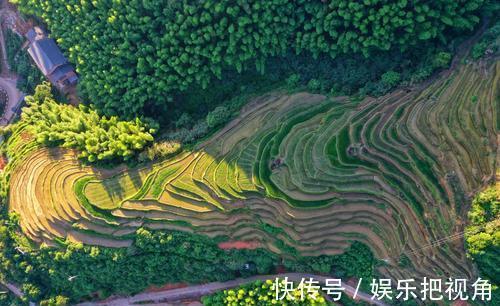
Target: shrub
[[489, 43], [31, 291], [218, 116], [314, 85], [377, 89], [293, 81], [478, 50], [160, 150], [421, 74], [184, 121], [391, 78], [335, 90], [198, 131], [13, 44], [55, 301], [184, 135], [5, 130], [442, 60]]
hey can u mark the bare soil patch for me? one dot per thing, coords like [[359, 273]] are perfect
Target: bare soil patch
[[249, 245]]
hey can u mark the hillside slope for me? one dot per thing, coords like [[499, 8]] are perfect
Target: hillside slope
[[302, 171]]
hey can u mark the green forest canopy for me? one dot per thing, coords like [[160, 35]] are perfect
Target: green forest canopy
[[483, 233], [139, 53], [96, 137], [265, 293]]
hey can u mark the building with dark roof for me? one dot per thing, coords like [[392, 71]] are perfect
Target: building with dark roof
[[50, 60]]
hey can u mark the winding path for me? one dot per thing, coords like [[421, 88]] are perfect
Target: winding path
[[15, 98], [5, 63], [8, 80], [197, 291], [14, 289]]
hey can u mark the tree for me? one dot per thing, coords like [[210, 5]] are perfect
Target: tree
[[97, 138], [218, 116], [442, 60], [147, 52], [391, 78], [293, 81], [483, 233], [56, 301], [314, 85]]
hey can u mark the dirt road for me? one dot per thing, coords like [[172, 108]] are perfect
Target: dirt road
[[197, 291], [9, 84], [16, 291], [12, 288], [8, 79], [3, 50]]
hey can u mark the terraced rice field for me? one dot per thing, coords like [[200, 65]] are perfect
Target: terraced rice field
[[395, 173]]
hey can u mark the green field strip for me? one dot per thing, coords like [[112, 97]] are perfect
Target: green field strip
[[394, 148], [376, 142], [414, 165], [244, 168], [388, 169], [109, 231], [307, 157], [167, 174], [109, 193], [424, 168], [210, 179], [291, 154], [79, 188], [263, 174], [232, 176], [222, 171], [296, 164], [184, 193], [148, 183], [258, 165], [185, 182], [161, 179]]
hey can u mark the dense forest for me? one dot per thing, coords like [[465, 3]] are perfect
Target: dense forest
[[483, 234], [139, 56], [190, 63]]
